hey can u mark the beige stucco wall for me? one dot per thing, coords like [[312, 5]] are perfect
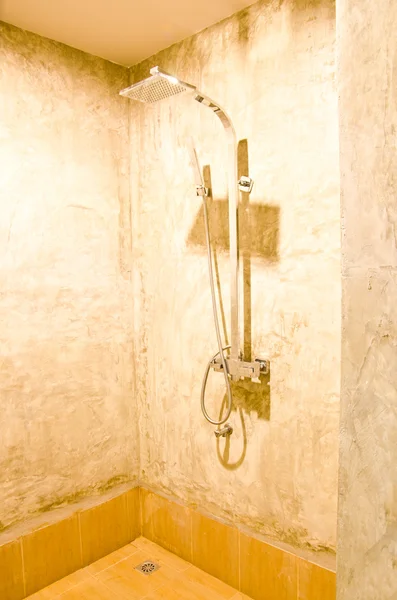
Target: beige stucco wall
[[67, 425], [273, 68], [367, 537]]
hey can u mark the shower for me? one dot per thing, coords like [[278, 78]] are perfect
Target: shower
[[161, 85]]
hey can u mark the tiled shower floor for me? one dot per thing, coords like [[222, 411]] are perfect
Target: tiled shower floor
[[114, 578]]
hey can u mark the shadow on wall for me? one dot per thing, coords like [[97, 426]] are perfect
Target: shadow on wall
[[259, 226]]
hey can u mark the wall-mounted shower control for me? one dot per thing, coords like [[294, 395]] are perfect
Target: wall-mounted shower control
[[241, 369]]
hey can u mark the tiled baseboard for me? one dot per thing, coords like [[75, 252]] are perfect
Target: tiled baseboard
[[257, 568], [58, 543], [63, 541]]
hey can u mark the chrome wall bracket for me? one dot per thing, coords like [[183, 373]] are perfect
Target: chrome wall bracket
[[201, 190], [241, 369], [245, 184]]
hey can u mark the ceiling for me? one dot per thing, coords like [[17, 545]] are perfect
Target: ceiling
[[123, 31]]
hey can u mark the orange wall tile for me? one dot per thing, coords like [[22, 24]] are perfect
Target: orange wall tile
[[167, 523], [108, 526], [216, 548], [266, 572], [51, 553], [11, 576], [314, 582]]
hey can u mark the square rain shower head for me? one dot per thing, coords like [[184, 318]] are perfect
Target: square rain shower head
[[158, 86]]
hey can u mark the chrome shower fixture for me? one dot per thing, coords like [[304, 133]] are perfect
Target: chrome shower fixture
[[225, 431], [161, 85]]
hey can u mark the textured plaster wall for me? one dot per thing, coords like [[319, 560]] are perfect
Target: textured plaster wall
[[367, 537], [273, 68], [67, 424]]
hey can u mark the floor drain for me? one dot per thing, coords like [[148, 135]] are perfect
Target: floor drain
[[147, 567]]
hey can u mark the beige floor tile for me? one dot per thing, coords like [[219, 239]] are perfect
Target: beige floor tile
[[216, 548], [167, 523], [11, 576], [266, 572], [89, 590], [51, 553], [182, 590], [193, 585], [104, 528], [44, 594], [122, 578], [156, 552], [314, 582], [61, 586], [112, 559], [204, 582]]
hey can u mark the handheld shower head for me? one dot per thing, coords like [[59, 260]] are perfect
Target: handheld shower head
[[159, 86]]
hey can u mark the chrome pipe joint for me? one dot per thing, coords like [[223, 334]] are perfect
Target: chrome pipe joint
[[224, 431]]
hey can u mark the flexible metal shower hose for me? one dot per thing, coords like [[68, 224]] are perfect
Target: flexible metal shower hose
[[221, 349]]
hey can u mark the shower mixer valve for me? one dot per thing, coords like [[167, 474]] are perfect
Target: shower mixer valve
[[241, 369]]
